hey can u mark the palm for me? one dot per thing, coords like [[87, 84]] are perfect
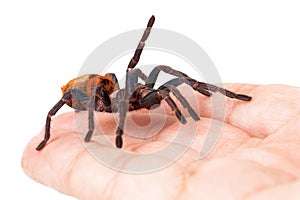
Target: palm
[[256, 155]]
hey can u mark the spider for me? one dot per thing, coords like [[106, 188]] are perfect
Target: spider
[[93, 92]]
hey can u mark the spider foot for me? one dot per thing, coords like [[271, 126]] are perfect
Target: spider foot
[[180, 117], [119, 141], [243, 97], [41, 145], [193, 114], [88, 136]]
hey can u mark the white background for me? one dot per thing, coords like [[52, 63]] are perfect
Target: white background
[[42, 45]]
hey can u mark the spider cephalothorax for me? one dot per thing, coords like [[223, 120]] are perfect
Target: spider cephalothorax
[[93, 92]]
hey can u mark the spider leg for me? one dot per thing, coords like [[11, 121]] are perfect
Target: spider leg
[[171, 85], [223, 91], [91, 126], [102, 103], [151, 80], [153, 99], [122, 114], [65, 99], [122, 102], [139, 74], [174, 107], [203, 88], [135, 59], [120, 105], [130, 83]]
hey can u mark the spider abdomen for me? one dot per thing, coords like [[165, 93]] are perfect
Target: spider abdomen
[[84, 89]]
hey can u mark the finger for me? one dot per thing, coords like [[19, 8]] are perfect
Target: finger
[[271, 107]]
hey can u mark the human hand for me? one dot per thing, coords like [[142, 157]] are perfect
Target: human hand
[[256, 156]]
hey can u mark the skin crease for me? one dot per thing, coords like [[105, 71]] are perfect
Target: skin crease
[[256, 157]]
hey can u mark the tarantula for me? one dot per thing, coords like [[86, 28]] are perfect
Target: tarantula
[[92, 92]]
